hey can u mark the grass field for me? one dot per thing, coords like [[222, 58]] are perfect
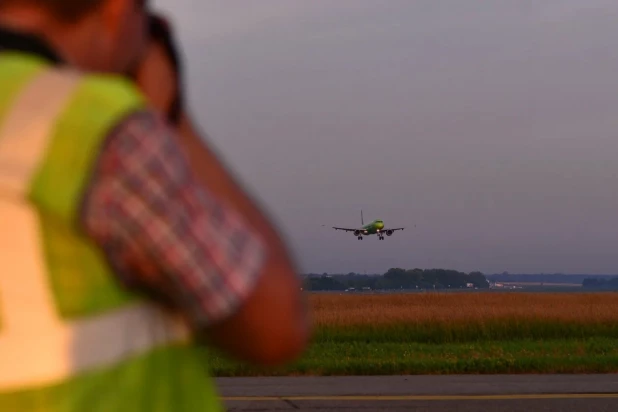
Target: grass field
[[426, 333]]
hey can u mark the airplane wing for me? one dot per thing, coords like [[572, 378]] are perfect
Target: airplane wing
[[385, 229], [346, 229]]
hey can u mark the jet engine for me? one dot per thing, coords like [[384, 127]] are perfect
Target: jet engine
[[389, 233], [357, 233]]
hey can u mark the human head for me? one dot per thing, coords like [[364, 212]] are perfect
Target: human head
[[93, 35]]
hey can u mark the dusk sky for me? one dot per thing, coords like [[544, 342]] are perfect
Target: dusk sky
[[491, 126]]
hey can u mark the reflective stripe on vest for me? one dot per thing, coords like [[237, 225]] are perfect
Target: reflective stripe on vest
[[43, 348]]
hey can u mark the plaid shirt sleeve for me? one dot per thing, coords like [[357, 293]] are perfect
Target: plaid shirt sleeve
[[162, 232]]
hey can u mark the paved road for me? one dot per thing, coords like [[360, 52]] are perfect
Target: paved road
[[467, 393]]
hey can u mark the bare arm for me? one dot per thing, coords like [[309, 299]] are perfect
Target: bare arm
[[272, 325], [168, 235]]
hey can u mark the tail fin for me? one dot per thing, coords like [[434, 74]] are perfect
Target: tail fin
[[362, 220]]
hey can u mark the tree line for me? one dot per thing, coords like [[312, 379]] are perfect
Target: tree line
[[600, 284], [397, 279], [544, 277]]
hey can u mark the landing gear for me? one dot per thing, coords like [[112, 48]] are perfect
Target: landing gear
[[381, 237], [360, 238]]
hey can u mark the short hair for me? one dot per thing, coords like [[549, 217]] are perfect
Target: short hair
[[68, 11]]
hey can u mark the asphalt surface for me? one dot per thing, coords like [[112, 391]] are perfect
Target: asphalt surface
[[467, 393]]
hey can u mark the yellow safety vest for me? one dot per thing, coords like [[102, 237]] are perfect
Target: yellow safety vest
[[71, 337]]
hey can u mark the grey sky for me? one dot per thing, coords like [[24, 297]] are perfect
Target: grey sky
[[491, 126]]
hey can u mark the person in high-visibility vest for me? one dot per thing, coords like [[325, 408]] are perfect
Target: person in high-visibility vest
[[125, 242]]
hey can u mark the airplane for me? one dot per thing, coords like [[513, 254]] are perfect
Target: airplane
[[374, 228]]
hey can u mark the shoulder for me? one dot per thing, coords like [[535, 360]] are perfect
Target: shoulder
[[110, 89], [103, 101], [141, 126], [142, 146]]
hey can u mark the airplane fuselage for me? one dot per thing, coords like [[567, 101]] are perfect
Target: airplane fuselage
[[373, 227]]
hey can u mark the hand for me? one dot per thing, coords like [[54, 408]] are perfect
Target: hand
[[158, 76]]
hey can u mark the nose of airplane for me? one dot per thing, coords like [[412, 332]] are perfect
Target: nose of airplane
[[380, 225]]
